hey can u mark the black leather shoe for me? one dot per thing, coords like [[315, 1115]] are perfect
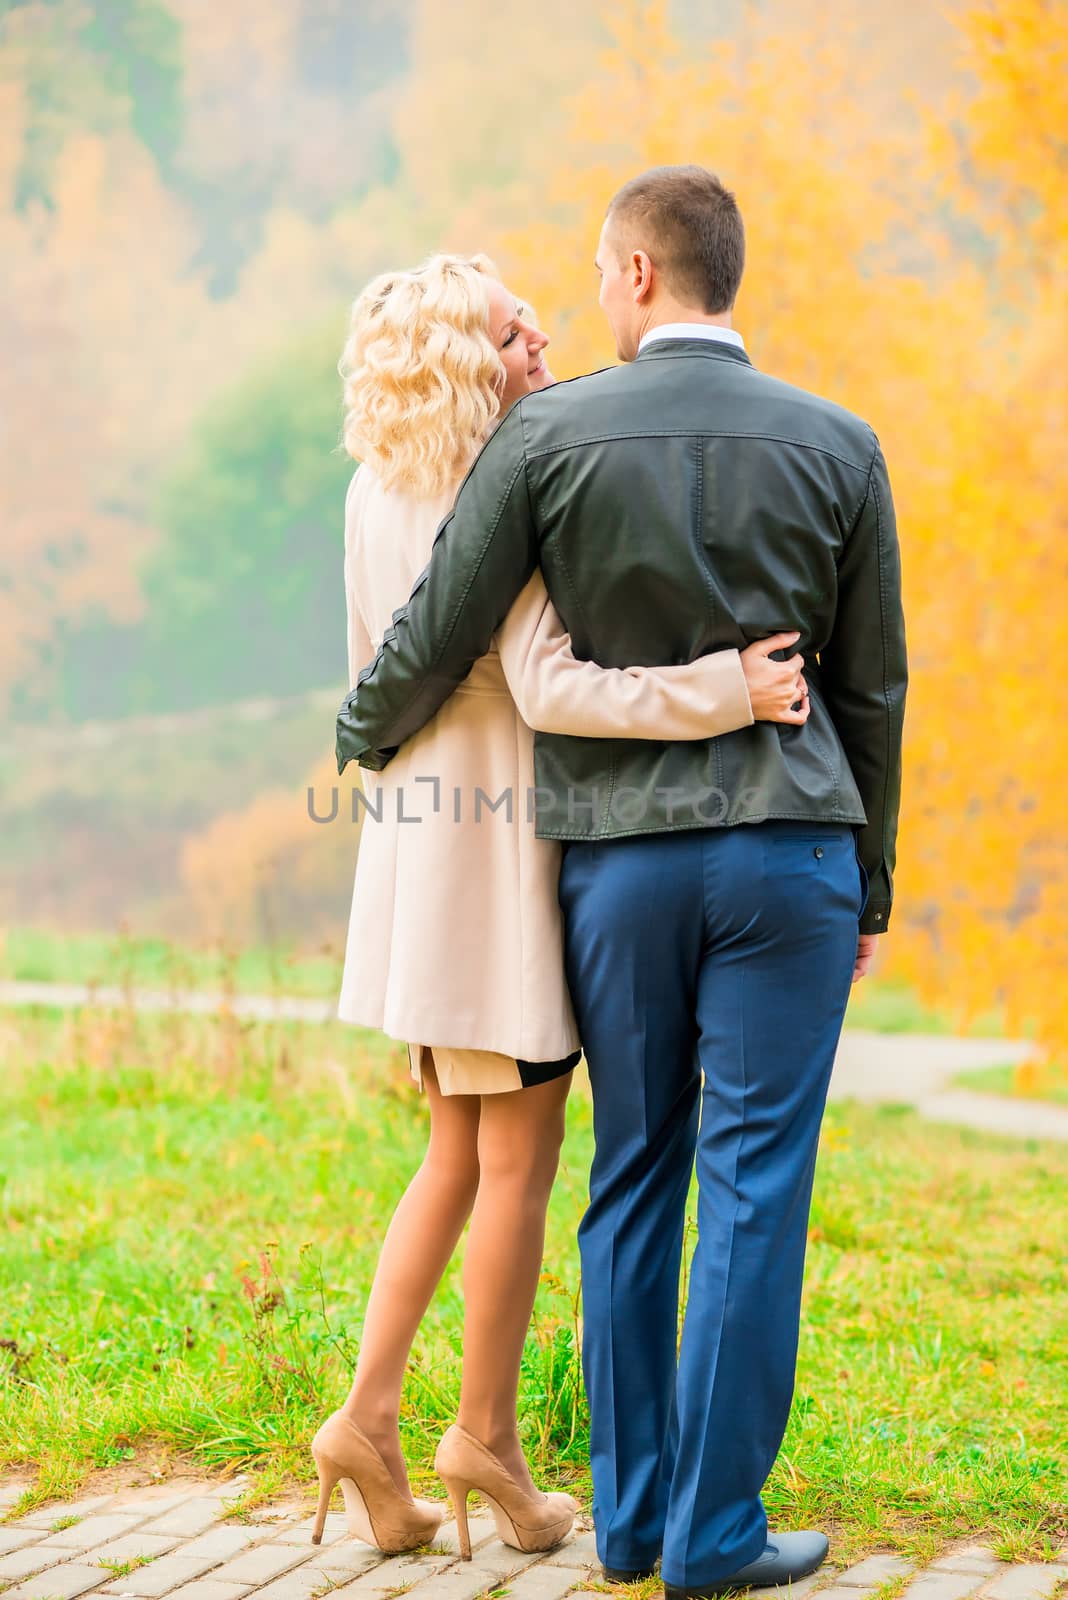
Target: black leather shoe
[[627, 1575], [786, 1557]]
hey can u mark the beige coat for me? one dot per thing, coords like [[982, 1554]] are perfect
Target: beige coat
[[455, 936]]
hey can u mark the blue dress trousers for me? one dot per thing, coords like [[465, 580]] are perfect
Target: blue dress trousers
[[710, 970]]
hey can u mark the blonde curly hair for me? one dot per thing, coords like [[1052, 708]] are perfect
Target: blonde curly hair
[[422, 377]]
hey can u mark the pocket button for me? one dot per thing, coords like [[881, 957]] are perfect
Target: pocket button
[[818, 851]]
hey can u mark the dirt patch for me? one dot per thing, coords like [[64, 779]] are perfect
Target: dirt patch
[[153, 1474]]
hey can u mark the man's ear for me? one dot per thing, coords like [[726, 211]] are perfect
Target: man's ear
[[641, 275]]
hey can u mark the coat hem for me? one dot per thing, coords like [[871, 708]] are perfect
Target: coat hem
[[447, 1034]]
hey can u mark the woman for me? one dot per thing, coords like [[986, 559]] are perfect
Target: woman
[[455, 939]]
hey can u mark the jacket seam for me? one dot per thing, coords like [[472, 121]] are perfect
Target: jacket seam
[[535, 502], [698, 523], [886, 682], [561, 559], [827, 762], [613, 768], [694, 433], [855, 515]]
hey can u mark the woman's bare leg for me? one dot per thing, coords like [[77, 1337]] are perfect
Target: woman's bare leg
[[519, 1139], [417, 1248]]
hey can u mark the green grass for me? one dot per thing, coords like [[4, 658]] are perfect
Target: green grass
[[122, 1569], [128, 959], [887, 1006], [142, 961], [191, 1213], [1051, 1085]]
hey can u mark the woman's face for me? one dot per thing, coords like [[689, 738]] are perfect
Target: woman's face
[[518, 343]]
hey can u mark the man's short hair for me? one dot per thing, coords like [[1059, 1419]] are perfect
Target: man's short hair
[[691, 229]]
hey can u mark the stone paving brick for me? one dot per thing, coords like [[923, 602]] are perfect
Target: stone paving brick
[[299, 1537], [10, 1492], [873, 1571], [148, 1504], [223, 1541], [12, 1538], [180, 1489], [452, 1579], [481, 1529], [1029, 1581], [148, 1583], [540, 1582], [21, 1563], [58, 1583], [93, 1531], [579, 1551], [303, 1583], [129, 1547], [932, 1585], [346, 1556], [44, 1516], [831, 1593], [335, 1527], [400, 1572], [282, 1511], [336, 1519], [264, 1562], [193, 1516], [803, 1586], [976, 1558], [209, 1589]]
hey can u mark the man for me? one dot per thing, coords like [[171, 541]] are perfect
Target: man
[[719, 896]]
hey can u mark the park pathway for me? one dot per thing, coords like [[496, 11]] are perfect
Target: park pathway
[[185, 1544], [913, 1069]]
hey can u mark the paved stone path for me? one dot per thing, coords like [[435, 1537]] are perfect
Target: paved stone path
[[145, 1544], [917, 1069], [913, 1069]]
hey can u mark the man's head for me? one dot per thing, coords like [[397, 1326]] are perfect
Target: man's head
[[672, 249]]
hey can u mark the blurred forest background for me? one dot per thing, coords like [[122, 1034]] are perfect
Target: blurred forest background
[[191, 193]]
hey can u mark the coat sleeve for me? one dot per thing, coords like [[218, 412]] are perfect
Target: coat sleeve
[[360, 648], [864, 675], [556, 692], [483, 554]]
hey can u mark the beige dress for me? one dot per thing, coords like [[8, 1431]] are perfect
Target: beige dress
[[455, 938]]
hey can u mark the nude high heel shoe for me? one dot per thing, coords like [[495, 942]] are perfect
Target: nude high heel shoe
[[526, 1522], [377, 1511]]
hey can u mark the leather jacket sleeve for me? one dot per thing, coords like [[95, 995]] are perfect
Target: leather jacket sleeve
[[483, 554], [864, 674]]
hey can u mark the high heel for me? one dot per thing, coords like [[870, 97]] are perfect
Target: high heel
[[377, 1511], [526, 1522]]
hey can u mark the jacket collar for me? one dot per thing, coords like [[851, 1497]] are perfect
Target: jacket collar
[[711, 349]]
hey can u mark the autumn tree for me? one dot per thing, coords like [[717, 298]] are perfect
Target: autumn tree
[[994, 798]]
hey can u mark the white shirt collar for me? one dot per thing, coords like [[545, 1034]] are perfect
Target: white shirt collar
[[692, 330]]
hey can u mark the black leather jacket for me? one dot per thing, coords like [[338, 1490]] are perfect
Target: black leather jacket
[[681, 503]]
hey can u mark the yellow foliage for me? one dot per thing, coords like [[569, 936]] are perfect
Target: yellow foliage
[[269, 867]]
